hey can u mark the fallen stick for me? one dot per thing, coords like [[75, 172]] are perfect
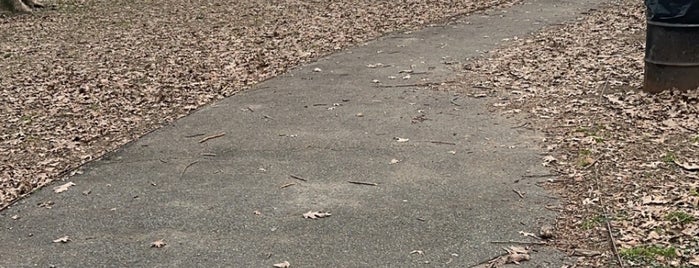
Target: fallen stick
[[212, 137], [194, 135], [440, 142], [519, 242], [539, 176], [416, 85], [187, 166], [287, 185], [297, 177], [518, 193], [364, 183]]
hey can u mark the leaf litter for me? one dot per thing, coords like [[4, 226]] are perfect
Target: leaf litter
[[627, 159], [76, 82]]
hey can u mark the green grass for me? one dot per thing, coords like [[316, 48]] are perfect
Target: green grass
[[680, 217], [590, 223], [584, 158], [694, 192], [647, 253], [669, 157]]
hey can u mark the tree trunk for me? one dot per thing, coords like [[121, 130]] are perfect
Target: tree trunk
[[19, 6]]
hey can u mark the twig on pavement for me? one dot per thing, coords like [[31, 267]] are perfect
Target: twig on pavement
[[187, 166], [212, 137], [363, 183], [297, 177], [287, 185]]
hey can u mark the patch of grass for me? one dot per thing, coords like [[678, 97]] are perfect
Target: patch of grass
[[598, 139], [669, 157], [590, 223], [591, 131], [680, 217], [647, 253], [585, 158], [695, 139], [694, 191]]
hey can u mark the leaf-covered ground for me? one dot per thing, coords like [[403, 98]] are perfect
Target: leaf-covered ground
[[628, 161], [82, 78]]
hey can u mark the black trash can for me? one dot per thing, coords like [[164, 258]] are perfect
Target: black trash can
[[672, 45]]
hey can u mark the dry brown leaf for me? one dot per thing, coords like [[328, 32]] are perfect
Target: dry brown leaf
[[63, 187], [284, 264], [315, 215], [687, 166], [15, 217], [694, 260], [64, 239], [158, 243], [547, 231]]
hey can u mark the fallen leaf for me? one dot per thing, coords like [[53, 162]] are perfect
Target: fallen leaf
[[399, 139], [315, 215], [284, 264], [395, 161], [317, 70], [654, 200], [15, 217], [47, 204], [158, 243], [547, 231], [418, 252], [63, 188], [549, 159], [528, 234], [257, 212], [694, 260], [64, 239]]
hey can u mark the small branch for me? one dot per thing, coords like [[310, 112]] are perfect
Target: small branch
[[615, 250], [297, 177], [208, 154], [363, 183], [205, 139], [519, 242], [440, 142], [287, 185], [187, 166], [453, 101], [521, 195], [194, 135], [416, 85], [540, 176]]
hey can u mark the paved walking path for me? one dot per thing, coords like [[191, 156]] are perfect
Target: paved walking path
[[220, 203]]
